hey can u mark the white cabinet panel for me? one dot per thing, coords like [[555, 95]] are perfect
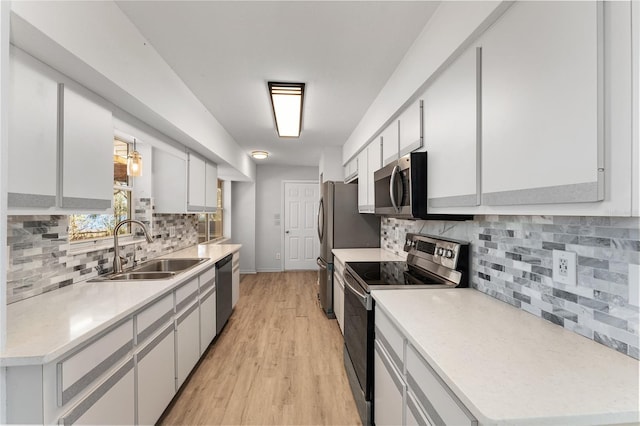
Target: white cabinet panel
[[33, 133], [450, 134], [211, 187], [374, 155], [338, 299], [410, 128], [388, 398], [87, 178], [207, 319], [540, 104], [235, 280], [156, 376], [112, 403], [196, 183], [351, 170], [187, 342], [390, 143], [363, 181], [169, 181]]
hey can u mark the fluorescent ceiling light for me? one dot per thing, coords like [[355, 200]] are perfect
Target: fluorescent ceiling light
[[259, 155], [286, 101]]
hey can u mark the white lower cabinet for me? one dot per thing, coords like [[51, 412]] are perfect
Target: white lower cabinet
[[406, 388], [235, 280], [338, 299], [207, 319], [156, 376], [390, 389], [112, 402], [187, 342]]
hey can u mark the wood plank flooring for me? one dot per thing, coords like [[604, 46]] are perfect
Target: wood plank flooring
[[278, 361]]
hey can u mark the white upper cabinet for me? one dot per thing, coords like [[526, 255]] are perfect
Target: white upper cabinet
[[196, 183], [60, 141], [410, 128], [87, 178], [450, 134], [211, 187], [541, 104], [374, 156], [33, 133], [169, 181], [351, 170], [363, 182], [390, 146]]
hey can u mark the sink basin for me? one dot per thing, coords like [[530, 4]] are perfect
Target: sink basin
[[168, 265], [130, 276]]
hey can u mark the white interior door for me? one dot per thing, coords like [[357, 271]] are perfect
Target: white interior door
[[301, 246]]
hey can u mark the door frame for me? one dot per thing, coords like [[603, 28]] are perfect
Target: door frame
[[282, 213]]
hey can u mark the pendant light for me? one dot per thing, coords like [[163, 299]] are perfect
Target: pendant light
[[134, 162]]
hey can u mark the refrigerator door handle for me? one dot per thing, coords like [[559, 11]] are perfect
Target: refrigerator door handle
[[321, 263], [321, 220]]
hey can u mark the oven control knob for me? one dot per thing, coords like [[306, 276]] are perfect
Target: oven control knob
[[440, 251], [449, 254]]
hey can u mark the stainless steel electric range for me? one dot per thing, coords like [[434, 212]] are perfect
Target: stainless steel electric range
[[432, 263]]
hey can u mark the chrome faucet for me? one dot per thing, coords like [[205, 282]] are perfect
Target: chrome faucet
[[117, 260]]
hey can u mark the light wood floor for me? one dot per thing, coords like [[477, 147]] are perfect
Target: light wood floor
[[278, 361]]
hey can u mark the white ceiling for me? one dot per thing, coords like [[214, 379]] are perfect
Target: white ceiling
[[226, 51]]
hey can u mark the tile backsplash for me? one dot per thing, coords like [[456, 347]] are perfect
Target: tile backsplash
[[512, 261], [41, 258]]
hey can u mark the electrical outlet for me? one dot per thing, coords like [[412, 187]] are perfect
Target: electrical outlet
[[564, 267], [278, 256]]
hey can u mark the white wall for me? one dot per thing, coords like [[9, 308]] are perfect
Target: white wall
[[451, 25], [85, 41], [228, 209], [331, 164], [4, 147], [243, 223], [268, 205]]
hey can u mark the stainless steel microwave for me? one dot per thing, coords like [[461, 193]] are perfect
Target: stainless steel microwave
[[400, 190]]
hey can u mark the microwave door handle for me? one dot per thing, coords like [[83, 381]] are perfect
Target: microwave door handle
[[392, 192], [321, 220]]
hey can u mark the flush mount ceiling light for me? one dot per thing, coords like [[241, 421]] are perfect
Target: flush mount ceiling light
[[259, 155], [134, 162], [286, 101]]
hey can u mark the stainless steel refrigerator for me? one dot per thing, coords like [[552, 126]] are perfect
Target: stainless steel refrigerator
[[340, 226]]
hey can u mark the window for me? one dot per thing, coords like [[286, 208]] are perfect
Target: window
[[210, 224], [91, 226]]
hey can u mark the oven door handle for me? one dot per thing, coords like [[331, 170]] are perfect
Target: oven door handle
[[364, 298]]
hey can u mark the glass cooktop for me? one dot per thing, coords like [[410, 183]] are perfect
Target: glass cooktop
[[381, 274]]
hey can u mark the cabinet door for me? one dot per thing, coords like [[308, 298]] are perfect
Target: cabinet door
[[374, 155], [363, 182], [112, 403], [156, 376], [414, 414], [211, 187], [390, 147], [196, 183], [207, 319], [351, 170], [87, 151], [33, 133], [541, 104], [410, 128], [169, 182], [450, 134], [187, 342], [389, 390], [235, 283]]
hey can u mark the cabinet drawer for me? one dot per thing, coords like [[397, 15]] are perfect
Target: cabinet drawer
[[433, 395], [152, 318], [186, 294], [389, 390], [78, 371], [414, 415], [390, 338], [207, 279]]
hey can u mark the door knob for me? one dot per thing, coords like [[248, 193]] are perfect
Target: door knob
[[286, 232]]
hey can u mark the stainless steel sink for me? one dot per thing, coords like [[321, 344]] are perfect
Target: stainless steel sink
[[154, 269], [131, 276], [168, 265]]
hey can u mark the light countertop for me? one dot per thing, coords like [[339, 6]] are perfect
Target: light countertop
[[42, 328], [367, 255], [510, 367]]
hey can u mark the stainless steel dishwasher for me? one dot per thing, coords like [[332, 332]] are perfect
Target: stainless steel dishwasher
[[224, 278]]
